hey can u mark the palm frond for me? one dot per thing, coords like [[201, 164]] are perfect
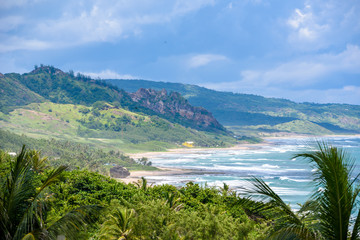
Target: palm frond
[[337, 194], [118, 225], [266, 193], [74, 221], [356, 229]]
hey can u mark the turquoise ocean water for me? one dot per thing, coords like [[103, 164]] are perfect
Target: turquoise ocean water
[[288, 177]]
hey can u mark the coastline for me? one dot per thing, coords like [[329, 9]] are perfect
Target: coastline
[[243, 146], [135, 176]]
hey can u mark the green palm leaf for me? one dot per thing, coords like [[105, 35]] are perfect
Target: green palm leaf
[[336, 192]]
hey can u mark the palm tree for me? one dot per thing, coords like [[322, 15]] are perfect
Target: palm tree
[[23, 210], [118, 225], [328, 213]]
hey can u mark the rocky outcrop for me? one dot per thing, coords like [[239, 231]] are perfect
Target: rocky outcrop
[[176, 108], [119, 172]]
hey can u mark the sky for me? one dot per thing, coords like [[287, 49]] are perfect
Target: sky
[[302, 50]]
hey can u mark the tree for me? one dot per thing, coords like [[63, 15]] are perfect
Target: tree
[[23, 211], [328, 213], [118, 225]]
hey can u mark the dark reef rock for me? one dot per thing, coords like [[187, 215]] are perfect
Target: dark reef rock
[[119, 172]]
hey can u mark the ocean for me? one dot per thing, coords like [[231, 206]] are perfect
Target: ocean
[[289, 177]]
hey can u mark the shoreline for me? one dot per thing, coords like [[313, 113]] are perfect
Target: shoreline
[[135, 176], [244, 146]]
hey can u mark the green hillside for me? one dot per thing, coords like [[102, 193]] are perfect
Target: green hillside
[[112, 128], [48, 103], [13, 93], [52, 84], [251, 114]]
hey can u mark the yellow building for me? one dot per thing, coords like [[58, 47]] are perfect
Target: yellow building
[[188, 144]]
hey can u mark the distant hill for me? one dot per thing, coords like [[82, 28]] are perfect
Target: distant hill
[[248, 114], [49, 103], [47, 83]]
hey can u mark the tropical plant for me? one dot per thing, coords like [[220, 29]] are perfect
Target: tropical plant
[[119, 224], [23, 210], [329, 213]]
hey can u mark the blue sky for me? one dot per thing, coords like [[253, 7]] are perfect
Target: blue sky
[[303, 50]]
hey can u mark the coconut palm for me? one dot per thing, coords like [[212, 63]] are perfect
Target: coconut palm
[[118, 225], [328, 213], [22, 206]]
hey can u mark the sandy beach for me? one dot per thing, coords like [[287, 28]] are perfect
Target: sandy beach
[[244, 146], [135, 176]]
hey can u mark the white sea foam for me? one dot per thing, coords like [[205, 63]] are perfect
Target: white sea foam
[[294, 180], [269, 166], [288, 191]]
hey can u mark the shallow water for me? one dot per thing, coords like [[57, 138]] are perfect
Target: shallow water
[[288, 177]]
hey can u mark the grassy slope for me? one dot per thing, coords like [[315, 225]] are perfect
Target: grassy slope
[[139, 133]]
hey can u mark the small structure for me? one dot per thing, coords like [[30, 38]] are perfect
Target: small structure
[[188, 144], [119, 172]]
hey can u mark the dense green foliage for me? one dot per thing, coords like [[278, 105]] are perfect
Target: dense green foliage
[[13, 93], [37, 201], [133, 211], [163, 212], [332, 212], [23, 201], [74, 155], [243, 110]]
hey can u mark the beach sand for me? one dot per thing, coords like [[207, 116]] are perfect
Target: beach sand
[[245, 146], [135, 176]]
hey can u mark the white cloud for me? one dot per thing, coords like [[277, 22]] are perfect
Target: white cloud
[[109, 74], [306, 27], [204, 59], [298, 79], [95, 21], [17, 43], [307, 71]]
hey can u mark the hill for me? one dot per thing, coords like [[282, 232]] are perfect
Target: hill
[[252, 114], [51, 84], [49, 103]]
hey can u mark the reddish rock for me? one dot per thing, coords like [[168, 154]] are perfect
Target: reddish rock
[[177, 107]]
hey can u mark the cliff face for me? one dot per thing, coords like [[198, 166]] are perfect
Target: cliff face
[[175, 107]]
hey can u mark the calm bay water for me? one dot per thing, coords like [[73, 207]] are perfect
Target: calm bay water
[[288, 177]]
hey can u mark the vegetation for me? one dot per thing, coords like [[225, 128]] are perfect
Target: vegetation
[[38, 201], [50, 103], [112, 127], [74, 155], [331, 213], [247, 114], [131, 212], [23, 210]]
